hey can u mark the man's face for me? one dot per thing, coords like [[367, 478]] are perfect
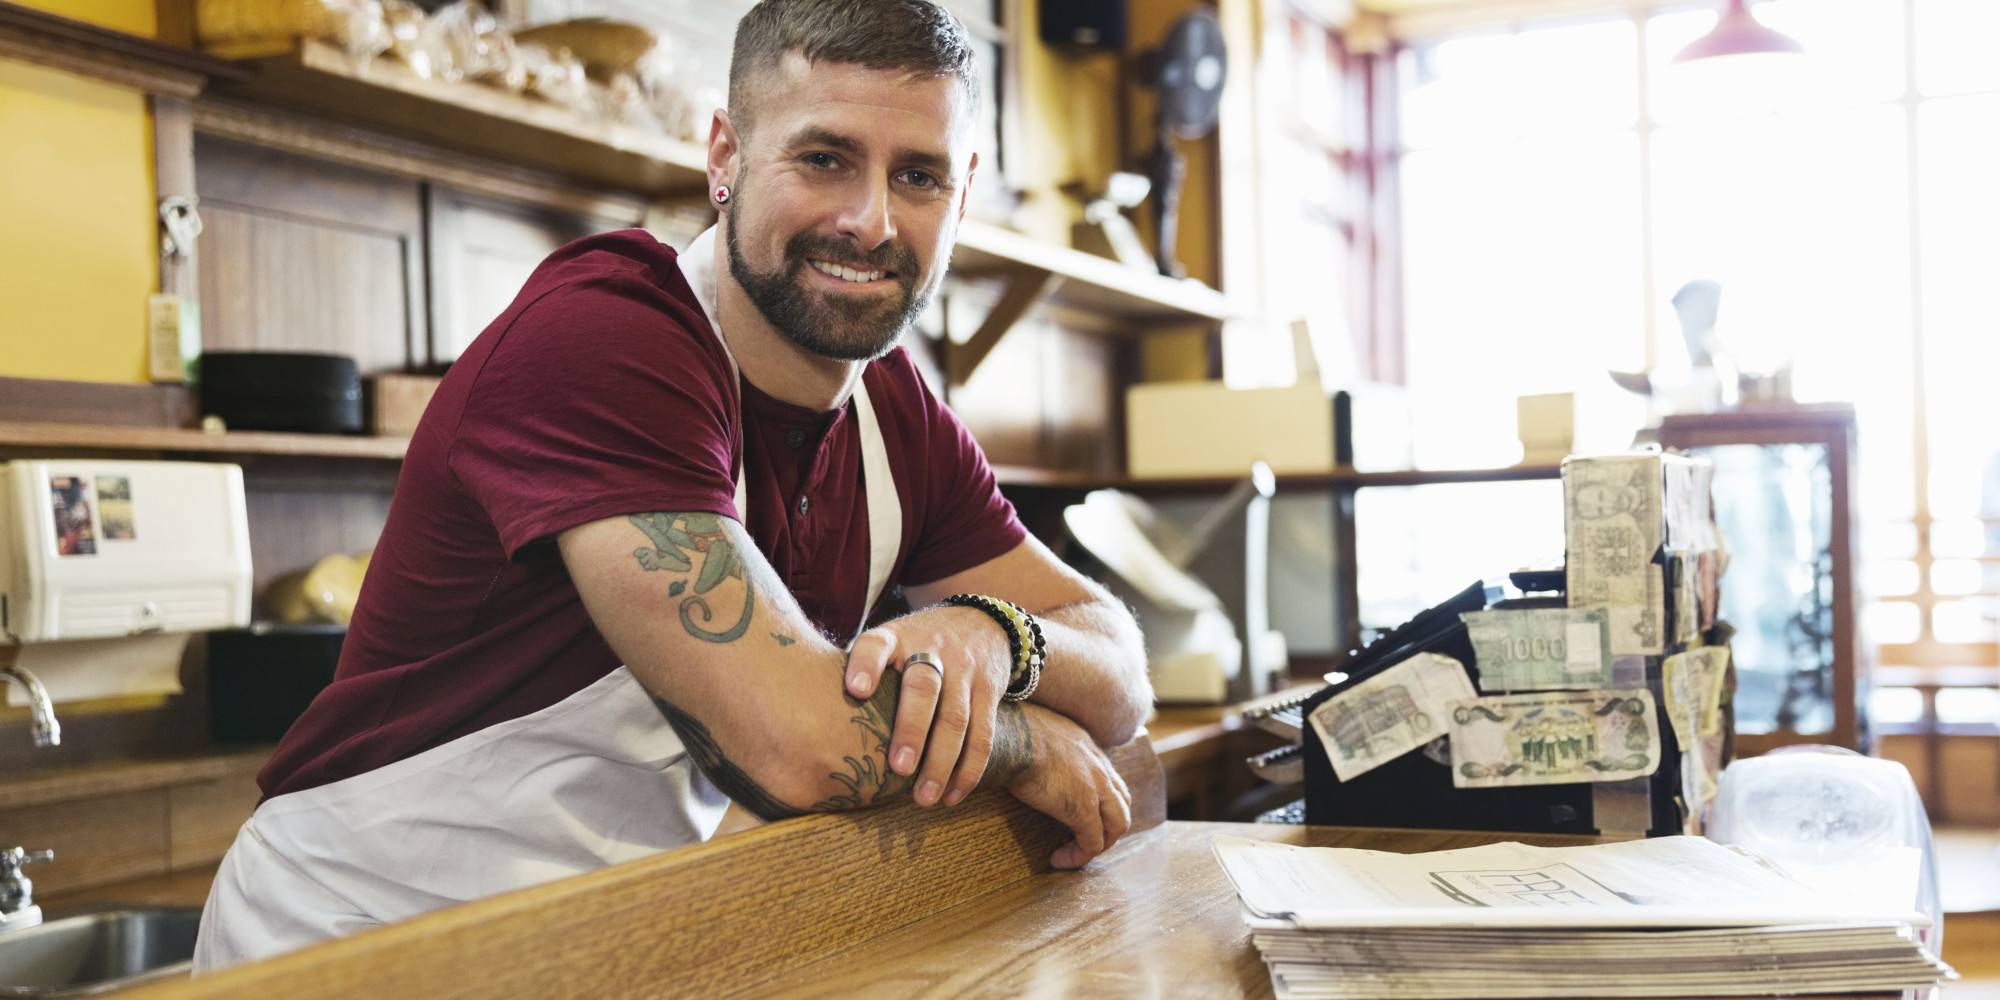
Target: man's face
[[846, 200]]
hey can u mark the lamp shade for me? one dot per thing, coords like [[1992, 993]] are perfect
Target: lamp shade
[[1737, 33]]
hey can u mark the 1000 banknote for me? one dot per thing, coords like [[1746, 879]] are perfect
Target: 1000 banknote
[[1541, 649], [1553, 738]]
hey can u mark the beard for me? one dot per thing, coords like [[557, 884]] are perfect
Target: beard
[[842, 327]]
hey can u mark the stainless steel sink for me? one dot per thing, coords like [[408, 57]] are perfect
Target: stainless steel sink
[[97, 951]]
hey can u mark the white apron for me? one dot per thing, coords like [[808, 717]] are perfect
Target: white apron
[[596, 779]]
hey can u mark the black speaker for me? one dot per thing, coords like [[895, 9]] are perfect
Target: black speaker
[[1096, 25]]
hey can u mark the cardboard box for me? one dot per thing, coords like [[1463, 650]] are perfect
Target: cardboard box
[[1179, 430], [396, 402]]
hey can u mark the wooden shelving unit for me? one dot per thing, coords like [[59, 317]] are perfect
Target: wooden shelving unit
[[1020, 476], [181, 441], [384, 95]]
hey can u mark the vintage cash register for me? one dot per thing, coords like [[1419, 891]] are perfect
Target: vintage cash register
[[107, 566], [1591, 705]]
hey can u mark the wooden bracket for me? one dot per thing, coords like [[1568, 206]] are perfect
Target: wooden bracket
[[1025, 289]]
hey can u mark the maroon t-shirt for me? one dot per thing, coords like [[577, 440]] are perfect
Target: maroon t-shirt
[[602, 391]]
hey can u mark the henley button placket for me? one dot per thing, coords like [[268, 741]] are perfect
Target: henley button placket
[[795, 437], [805, 505]]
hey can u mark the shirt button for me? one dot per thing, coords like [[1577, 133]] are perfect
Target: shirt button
[[805, 504], [796, 438]]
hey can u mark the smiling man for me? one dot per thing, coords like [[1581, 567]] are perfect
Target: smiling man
[[645, 520]]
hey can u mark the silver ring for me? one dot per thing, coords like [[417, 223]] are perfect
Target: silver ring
[[927, 660]]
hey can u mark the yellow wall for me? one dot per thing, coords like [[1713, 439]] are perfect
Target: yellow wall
[[79, 256], [135, 16]]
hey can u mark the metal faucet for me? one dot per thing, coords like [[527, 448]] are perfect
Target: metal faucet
[[48, 732], [17, 892]]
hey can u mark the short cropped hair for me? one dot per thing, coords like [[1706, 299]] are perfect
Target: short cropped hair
[[915, 36]]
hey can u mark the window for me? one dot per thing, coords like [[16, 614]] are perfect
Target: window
[[1562, 180]]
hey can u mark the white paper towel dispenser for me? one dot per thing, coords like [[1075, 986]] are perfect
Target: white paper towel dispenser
[[103, 548]]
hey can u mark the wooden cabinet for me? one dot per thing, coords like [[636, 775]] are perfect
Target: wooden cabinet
[[299, 254]]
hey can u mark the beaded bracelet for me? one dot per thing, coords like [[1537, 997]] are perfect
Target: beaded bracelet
[[1025, 646]]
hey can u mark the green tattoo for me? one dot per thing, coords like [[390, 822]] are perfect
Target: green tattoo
[[672, 552], [866, 779]]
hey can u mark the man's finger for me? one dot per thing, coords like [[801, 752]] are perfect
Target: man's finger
[[947, 741], [922, 684], [867, 658], [1116, 811], [971, 763]]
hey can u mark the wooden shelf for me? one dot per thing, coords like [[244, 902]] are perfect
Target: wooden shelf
[[1089, 282], [384, 94], [105, 437], [1033, 478]]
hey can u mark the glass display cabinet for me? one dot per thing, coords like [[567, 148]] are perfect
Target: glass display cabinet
[[1784, 500]]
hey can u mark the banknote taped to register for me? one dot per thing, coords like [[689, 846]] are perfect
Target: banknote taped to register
[[1612, 528], [1389, 714], [1541, 649], [1553, 738]]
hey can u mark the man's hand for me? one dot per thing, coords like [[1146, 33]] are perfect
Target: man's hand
[[945, 717], [1071, 780]]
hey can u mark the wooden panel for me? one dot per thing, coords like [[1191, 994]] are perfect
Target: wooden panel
[[127, 776], [303, 255], [481, 253], [1968, 781], [202, 819], [290, 531], [61, 401], [696, 922], [96, 840], [279, 284]]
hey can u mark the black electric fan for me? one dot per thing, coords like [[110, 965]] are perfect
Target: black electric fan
[[1186, 71]]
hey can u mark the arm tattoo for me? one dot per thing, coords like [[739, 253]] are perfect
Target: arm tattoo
[[866, 777], [707, 755], [671, 552]]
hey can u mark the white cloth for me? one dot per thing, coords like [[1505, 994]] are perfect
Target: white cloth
[[596, 779]]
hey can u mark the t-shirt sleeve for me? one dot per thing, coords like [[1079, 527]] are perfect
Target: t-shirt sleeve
[[967, 521], [601, 398]]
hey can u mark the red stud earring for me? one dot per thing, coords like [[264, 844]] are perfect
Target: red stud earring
[[722, 194]]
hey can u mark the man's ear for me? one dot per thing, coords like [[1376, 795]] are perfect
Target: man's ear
[[965, 193], [722, 150]]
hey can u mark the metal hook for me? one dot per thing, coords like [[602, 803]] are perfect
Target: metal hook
[[180, 224]]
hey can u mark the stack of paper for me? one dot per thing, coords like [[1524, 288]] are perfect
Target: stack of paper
[[1669, 917]]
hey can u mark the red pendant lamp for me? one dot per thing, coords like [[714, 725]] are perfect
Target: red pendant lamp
[[1737, 34]]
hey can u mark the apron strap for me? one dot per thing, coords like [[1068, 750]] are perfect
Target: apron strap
[[885, 506]]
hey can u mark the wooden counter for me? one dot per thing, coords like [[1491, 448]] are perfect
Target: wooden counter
[[899, 902]]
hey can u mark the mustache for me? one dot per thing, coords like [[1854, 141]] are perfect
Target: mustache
[[897, 257]]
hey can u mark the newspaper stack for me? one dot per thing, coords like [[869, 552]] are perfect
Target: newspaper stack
[[1668, 917]]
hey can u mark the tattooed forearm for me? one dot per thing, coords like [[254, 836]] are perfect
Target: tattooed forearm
[[727, 776], [1013, 746], [865, 777], [676, 539]]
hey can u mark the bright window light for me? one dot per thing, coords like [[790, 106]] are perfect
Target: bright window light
[[1896, 706]]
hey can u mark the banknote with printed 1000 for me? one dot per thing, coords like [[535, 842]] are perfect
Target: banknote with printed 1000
[[1540, 649]]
